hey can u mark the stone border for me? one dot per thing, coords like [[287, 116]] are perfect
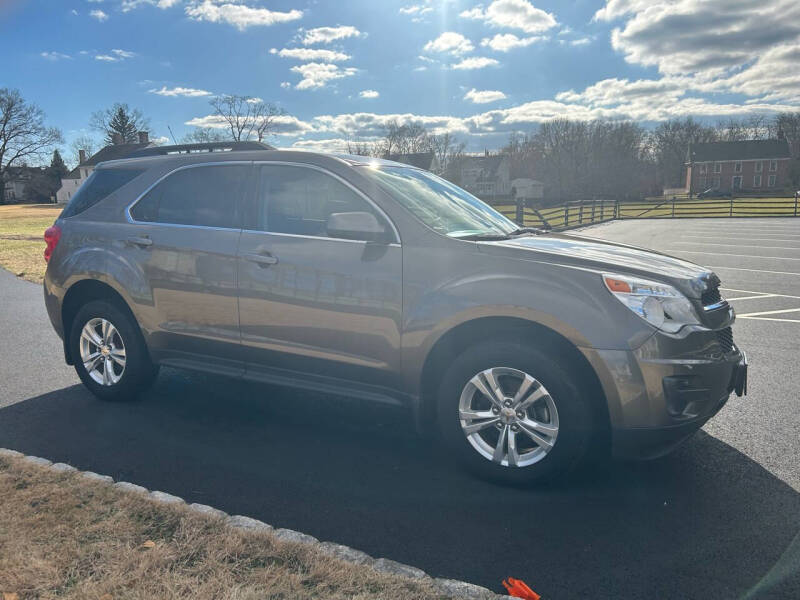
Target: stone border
[[453, 587]]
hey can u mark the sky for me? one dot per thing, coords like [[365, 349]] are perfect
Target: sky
[[343, 69]]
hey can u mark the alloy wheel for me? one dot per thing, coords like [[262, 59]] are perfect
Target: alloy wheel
[[102, 351], [508, 417]]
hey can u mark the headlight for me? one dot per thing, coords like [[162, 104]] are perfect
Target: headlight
[[659, 304]]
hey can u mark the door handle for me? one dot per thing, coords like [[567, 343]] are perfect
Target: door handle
[[262, 260], [142, 241]]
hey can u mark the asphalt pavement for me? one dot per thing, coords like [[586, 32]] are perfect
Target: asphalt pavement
[[713, 520]]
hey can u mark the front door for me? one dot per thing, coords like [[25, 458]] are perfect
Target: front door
[[737, 183], [309, 302], [186, 232]]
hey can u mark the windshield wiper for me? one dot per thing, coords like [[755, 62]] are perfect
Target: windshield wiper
[[524, 230], [484, 237]]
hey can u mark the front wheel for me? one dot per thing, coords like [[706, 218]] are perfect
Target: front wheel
[[511, 412], [109, 352]]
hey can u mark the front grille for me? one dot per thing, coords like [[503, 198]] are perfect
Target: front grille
[[725, 339], [711, 295]]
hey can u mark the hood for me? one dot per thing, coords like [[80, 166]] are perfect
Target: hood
[[600, 255]]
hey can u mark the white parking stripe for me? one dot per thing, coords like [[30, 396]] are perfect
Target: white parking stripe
[[752, 297], [770, 312], [738, 255], [735, 245], [769, 319], [752, 270], [749, 239], [727, 289]]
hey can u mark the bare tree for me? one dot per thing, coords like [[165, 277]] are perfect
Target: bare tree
[[360, 148], [204, 135], [246, 117], [446, 149], [671, 141], [86, 143], [119, 120], [23, 135], [408, 138]]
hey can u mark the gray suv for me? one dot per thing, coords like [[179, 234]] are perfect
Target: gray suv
[[525, 350]]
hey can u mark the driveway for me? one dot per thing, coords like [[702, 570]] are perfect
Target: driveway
[[709, 521]]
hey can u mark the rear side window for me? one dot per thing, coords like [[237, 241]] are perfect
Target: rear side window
[[202, 196], [101, 183]]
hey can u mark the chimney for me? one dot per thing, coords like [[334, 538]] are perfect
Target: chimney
[[144, 137], [486, 152], [116, 139], [81, 156]]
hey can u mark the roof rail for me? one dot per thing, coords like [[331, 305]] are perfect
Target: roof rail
[[195, 148]]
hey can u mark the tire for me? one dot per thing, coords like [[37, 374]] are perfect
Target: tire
[[559, 404], [125, 381]]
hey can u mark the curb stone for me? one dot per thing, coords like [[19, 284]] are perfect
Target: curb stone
[[452, 587], [130, 487], [247, 523], [95, 477], [166, 498], [204, 509]]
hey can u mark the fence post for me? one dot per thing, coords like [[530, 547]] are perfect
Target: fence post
[[603, 209], [520, 216], [731, 211], [580, 213], [673, 207], [566, 214], [594, 205], [796, 194], [616, 209]]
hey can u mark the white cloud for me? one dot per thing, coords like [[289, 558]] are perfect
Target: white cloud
[[54, 56], [313, 54], [240, 16], [317, 75], [334, 145], [161, 140], [99, 15], [368, 94], [503, 42], [128, 5], [475, 62], [451, 42], [513, 14], [415, 9], [325, 35], [286, 84], [484, 96], [284, 124], [180, 91], [116, 55], [580, 41]]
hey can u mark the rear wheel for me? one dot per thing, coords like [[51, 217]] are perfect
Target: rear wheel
[[511, 412], [110, 355]]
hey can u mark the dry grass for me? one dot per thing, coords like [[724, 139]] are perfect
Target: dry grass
[[62, 536], [21, 238]]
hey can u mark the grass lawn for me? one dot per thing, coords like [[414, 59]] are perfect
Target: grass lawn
[[63, 536], [21, 238]]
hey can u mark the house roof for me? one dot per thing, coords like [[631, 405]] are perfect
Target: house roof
[[22, 173], [744, 150], [112, 152], [421, 160], [487, 164]]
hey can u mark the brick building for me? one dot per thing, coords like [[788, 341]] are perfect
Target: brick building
[[750, 166]]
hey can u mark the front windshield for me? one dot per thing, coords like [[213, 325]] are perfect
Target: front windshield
[[442, 206]]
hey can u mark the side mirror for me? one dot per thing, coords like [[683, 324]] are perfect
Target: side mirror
[[357, 226]]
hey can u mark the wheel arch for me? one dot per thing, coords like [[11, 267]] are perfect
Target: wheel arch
[[455, 340], [80, 293]]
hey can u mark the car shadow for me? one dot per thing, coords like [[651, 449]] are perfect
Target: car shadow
[[705, 522]]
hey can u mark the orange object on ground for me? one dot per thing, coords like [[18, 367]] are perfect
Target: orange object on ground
[[518, 589]]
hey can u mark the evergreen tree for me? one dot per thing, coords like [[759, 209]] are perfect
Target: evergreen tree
[[122, 120]]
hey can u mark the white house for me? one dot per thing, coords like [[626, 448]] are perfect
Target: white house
[[528, 189]]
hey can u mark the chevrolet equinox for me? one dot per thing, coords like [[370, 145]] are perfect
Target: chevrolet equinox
[[375, 280]]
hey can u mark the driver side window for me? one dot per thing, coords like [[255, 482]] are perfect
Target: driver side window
[[299, 201]]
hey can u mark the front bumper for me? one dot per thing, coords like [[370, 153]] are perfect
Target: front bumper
[[661, 393]]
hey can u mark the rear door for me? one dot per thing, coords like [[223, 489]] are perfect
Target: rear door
[[310, 302], [186, 239]]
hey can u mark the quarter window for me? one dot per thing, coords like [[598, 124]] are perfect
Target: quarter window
[[201, 196], [299, 200], [101, 183]]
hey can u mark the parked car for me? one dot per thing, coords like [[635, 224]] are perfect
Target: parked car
[[375, 280], [714, 193]]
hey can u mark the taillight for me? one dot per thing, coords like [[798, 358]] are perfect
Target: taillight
[[51, 236]]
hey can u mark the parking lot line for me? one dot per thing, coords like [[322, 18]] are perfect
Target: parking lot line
[[768, 319], [749, 239], [739, 255], [770, 312], [752, 270], [753, 297], [727, 289], [735, 245]]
